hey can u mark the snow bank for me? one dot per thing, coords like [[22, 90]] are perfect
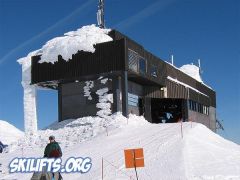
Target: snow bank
[[9, 133], [82, 39], [192, 70], [209, 156], [71, 132]]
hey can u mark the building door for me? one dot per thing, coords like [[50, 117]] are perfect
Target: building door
[[166, 110]]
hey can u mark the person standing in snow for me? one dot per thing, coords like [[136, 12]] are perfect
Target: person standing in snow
[[53, 150]]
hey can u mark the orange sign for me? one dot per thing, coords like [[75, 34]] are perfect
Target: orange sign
[[134, 158]]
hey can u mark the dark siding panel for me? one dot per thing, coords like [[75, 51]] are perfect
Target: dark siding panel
[[200, 98], [73, 102], [175, 90], [153, 92], [108, 57]]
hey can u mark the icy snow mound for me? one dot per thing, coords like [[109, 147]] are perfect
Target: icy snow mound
[[191, 70], [82, 39], [9, 133]]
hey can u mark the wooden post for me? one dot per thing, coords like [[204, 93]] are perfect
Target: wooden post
[[107, 130], [102, 168], [181, 128], [124, 87], [135, 164], [191, 122]]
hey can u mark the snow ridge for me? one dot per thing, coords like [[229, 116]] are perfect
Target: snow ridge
[[9, 133]]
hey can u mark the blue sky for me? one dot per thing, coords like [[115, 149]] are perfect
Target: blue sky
[[189, 29]]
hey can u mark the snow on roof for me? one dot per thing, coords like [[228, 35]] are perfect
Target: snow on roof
[[192, 70], [82, 39], [186, 85], [9, 133], [26, 64]]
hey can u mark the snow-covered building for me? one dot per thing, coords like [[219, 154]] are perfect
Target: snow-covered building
[[134, 80]]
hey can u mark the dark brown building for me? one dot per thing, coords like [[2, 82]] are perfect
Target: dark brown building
[[141, 83]]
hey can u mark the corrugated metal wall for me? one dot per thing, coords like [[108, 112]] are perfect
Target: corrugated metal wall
[[108, 57], [175, 90], [153, 92]]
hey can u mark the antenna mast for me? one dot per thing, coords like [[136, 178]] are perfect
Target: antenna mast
[[172, 59], [199, 66], [100, 14]]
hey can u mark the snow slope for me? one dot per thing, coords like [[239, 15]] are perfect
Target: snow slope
[[200, 154], [9, 133]]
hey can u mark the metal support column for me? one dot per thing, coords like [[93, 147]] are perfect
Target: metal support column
[[124, 87], [59, 102], [116, 94]]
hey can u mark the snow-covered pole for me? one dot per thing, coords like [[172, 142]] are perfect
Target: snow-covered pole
[[172, 59], [29, 97], [30, 112], [199, 66]]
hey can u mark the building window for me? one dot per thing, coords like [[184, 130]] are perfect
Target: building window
[[133, 60], [200, 108], [136, 63], [192, 105], [153, 70], [142, 66], [205, 110]]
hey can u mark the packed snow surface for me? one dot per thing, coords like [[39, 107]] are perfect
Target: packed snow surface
[[191, 70], [9, 133], [200, 154]]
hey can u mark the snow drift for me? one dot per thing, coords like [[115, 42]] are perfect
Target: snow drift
[[200, 154], [9, 133]]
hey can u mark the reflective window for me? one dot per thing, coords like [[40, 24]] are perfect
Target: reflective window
[[136, 63], [142, 66], [132, 60], [153, 70]]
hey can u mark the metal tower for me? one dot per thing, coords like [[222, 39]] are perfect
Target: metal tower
[[100, 14]]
